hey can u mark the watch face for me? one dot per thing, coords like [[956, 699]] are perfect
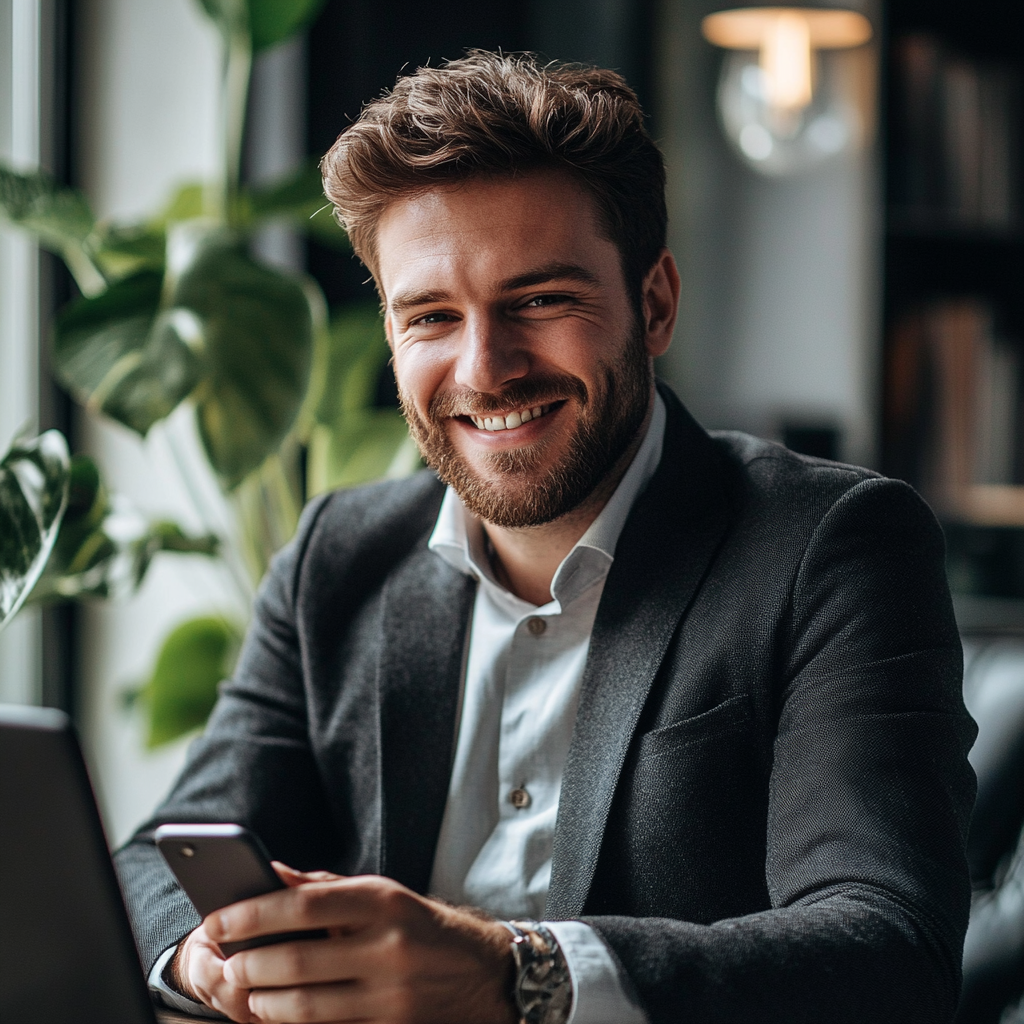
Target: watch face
[[543, 985]]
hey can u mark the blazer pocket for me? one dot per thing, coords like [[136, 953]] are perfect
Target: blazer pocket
[[731, 715]]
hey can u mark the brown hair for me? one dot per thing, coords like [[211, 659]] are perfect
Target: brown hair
[[502, 114]]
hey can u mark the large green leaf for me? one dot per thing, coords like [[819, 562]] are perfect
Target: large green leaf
[[118, 355], [266, 21], [104, 546], [351, 441], [350, 364], [58, 216], [33, 495], [256, 328], [193, 660]]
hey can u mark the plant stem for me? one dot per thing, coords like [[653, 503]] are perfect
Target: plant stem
[[235, 95], [88, 278], [229, 555]]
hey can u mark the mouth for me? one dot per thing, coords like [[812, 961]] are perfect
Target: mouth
[[511, 420]]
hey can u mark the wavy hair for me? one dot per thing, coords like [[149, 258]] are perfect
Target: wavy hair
[[493, 114]]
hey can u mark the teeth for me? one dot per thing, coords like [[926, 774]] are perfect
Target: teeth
[[511, 421]]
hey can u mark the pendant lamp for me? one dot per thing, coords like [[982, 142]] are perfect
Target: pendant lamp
[[785, 99]]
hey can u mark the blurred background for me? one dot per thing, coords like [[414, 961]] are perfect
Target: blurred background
[[852, 263]]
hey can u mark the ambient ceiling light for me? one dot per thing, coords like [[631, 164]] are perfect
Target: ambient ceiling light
[[786, 103]]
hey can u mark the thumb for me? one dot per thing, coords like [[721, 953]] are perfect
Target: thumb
[[292, 878]]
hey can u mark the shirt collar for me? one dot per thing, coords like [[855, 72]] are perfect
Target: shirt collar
[[458, 536]]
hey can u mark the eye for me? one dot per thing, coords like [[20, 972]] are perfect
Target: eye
[[542, 301], [429, 319]]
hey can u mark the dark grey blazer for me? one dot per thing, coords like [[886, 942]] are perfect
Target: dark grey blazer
[[766, 800]]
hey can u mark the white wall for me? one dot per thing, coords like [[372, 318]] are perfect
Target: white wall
[[147, 103], [781, 277]]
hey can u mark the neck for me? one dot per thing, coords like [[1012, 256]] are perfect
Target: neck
[[526, 559]]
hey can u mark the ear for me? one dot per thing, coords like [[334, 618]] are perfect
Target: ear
[[660, 304]]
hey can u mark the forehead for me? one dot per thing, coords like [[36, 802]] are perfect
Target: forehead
[[489, 227]]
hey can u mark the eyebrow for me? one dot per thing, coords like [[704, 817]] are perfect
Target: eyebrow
[[540, 275], [550, 272]]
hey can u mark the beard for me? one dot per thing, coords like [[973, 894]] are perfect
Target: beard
[[516, 490]]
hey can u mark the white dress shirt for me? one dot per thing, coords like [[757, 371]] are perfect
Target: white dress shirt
[[524, 669]]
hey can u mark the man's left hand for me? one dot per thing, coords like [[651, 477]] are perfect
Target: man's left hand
[[390, 956]]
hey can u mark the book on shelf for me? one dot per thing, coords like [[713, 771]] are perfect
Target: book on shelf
[[955, 410], [956, 138]]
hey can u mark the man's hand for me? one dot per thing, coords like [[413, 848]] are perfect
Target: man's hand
[[390, 956]]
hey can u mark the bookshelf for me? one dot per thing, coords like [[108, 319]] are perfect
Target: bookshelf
[[953, 396]]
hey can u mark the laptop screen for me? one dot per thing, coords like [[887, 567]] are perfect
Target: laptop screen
[[66, 948]]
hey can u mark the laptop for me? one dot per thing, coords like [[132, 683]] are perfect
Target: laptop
[[67, 955]]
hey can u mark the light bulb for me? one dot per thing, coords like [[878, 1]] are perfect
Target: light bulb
[[783, 98], [785, 61]]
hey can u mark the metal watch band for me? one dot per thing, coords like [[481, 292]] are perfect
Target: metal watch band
[[543, 987]]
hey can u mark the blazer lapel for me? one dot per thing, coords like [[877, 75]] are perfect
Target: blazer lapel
[[427, 605], [665, 548]]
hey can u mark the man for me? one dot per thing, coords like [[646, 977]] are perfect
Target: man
[[685, 706]]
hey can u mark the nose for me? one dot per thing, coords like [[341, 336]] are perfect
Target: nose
[[490, 355]]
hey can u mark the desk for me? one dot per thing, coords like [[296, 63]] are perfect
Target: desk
[[172, 1017]]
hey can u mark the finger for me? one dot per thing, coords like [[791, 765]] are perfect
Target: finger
[[291, 877], [311, 1004], [205, 975], [340, 958], [347, 904]]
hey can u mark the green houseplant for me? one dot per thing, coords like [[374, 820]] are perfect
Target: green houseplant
[[174, 310]]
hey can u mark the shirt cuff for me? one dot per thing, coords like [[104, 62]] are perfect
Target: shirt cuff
[[175, 1000], [599, 990]]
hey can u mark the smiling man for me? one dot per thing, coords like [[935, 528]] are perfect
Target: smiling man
[[603, 719]]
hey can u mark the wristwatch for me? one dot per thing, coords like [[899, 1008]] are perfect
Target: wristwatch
[[543, 987]]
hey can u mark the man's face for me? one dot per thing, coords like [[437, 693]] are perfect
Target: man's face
[[521, 367]]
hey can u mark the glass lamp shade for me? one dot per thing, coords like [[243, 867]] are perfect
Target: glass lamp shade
[[786, 97], [778, 139]]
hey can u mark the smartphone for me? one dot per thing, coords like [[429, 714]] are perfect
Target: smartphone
[[218, 865]]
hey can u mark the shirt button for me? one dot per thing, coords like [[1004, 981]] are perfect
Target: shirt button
[[536, 626], [519, 798]]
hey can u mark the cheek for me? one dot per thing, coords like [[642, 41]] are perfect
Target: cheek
[[417, 374]]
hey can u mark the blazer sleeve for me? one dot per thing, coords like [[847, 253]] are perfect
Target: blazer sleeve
[[253, 764], [869, 800]]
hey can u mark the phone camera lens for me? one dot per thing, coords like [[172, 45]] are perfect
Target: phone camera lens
[[188, 851]]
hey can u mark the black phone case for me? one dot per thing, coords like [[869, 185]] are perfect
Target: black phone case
[[218, 870]]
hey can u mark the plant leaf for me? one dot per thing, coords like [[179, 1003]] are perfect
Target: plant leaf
[[266, 21], [347, 370], [58, 216], [116, 355], [123, 251], [300, 200], [54, 213], [257, 332], [182, 690], [273, 21], [104, 546], [364, 446], [33, 495], [351, 441], [230, 16], [187, 203]]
